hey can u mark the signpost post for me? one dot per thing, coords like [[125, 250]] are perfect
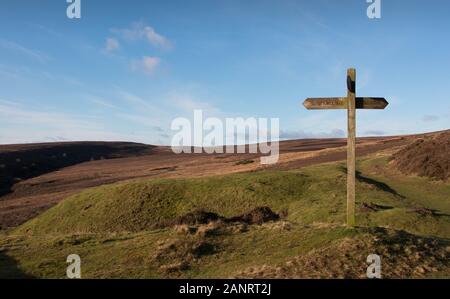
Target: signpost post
[[351, 103]]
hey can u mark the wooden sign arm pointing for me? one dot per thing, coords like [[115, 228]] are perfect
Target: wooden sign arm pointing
[[341, 103]]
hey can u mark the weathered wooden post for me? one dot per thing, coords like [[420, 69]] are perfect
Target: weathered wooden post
[[351, 145], [351, 103]]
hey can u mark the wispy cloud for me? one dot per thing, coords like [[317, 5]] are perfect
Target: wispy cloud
[[185, 102], [24, 124], [19, 72], [10, 73], [112, 44], [15, 113], [15, 47], [135, 101], [141, 31], [146, 65], [156, 39], [9, 103], [101, 102]]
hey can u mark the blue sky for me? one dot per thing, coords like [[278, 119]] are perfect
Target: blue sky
[[126, 69]]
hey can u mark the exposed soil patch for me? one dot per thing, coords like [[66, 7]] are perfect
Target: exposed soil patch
[[427, 157], [197, 217], [171, 168], [372, 207], [258, 215], [428, 212], [244, 162], [425, 212]]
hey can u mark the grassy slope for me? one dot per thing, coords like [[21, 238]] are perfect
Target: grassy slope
[[110, 227]]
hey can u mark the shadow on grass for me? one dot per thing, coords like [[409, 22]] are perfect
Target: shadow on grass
[[429, 212], [372, 207], [377, 184], [9, 268]]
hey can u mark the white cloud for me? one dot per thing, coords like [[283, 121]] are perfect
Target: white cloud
[[156, 39], [147, 64], [141, 31], [112, 44]]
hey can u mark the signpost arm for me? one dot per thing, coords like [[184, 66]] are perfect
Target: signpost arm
[[351, 146]]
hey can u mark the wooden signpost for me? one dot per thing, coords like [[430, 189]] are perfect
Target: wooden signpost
[[351, 103]]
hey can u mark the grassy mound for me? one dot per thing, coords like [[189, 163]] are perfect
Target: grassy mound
[[145, 205], [314, 194]]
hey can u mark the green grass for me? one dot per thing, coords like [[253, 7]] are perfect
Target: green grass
[[128, 255], [112, 227], [413, 193], [137, 206]]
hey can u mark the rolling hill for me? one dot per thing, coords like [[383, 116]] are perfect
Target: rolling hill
[[172, 225]]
